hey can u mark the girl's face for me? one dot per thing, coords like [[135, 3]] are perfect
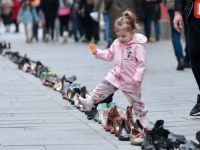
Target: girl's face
[[125, 36]]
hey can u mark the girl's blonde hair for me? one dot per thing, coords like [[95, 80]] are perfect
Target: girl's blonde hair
[[127, 22]]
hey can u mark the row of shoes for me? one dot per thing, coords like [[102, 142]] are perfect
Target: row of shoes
[[109, 115]]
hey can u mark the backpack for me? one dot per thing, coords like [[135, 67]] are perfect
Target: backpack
[[90, 2]]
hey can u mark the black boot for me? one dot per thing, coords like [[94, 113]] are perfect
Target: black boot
[[159, 135], [181, 64], [148, 143], [196, 109]]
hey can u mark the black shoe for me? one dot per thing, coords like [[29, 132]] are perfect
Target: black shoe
[[157, 38], [159, 135], [76, 39], [198, 136], [92, 113], [196, 110], [181, 64], [187, 65], [70, 33], [148, 142]]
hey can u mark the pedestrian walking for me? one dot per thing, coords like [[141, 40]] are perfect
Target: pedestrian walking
[[35, 4], [15, 12], [129, 56], [28, 16], [99, 6], [183, 61], [76, 20], [64, 17], [50, 8], [193, 38], [91, 26], [6, 8], [152, 12]]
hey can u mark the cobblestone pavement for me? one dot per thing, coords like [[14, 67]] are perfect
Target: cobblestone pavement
[[36, 117]]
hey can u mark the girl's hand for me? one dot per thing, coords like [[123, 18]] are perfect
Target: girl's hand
[[135, 82], [94, 52]]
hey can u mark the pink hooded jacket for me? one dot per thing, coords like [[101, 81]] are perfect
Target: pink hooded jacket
[[129, 62]]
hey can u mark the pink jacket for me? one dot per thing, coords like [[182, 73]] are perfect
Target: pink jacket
[[129, 62]]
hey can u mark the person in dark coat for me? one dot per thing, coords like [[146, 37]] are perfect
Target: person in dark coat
[[6, 8], [15, 12], [50, 8], [152, 11], [91, 26], [193, 38]]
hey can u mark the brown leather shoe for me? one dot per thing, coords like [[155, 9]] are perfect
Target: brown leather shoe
[[130, 121], [116, 125], [113, 115]]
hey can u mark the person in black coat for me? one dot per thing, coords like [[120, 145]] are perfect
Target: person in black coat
[[193, 40], [151, 9], [91, 26], [50, 8]]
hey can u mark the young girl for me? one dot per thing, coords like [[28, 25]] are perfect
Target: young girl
[[28, 16], [129, 56]]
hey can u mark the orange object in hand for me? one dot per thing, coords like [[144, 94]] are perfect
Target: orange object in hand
[[92, 47]]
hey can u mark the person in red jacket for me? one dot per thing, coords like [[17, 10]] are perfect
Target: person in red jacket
[[15, 12]]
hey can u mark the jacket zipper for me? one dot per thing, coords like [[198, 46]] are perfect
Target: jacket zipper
[[190, 10]]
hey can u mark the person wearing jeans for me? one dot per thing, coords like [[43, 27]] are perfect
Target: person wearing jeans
[[76, 24], [183, 61], [106, 20]]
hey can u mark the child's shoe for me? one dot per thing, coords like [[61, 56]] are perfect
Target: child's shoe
[[88, 103], [144, 120]]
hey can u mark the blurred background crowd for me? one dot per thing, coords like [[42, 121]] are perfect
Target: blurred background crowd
[[83, 20]]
